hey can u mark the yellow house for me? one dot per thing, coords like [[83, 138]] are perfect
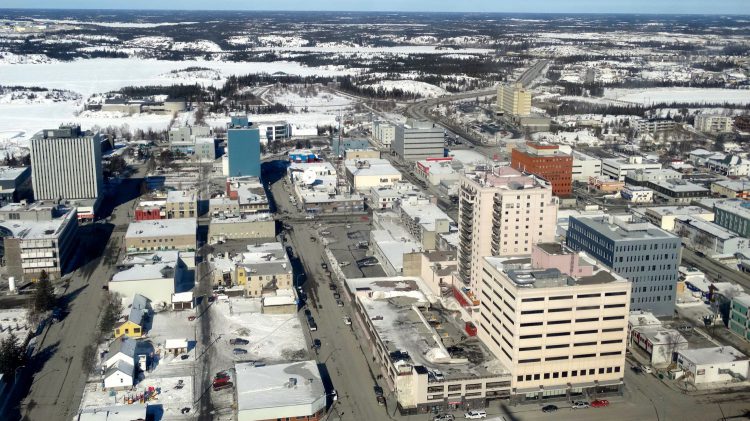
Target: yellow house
[[132, 326]]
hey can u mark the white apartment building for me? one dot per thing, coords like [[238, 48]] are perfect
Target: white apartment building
[[585, 166], [384, 132], [656, 125], [559, 335], [66, 163], [501, 213], [514, 100], [713, 123], [617, 168]]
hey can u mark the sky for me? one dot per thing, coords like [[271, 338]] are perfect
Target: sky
[[508, 6]]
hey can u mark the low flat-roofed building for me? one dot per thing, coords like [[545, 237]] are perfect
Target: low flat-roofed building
[[433, 171], [390, 240], [617, 168], [637, 194], [676, 190], [38, 237], [664, 216], [387, 197], [640, 318], [165, 234], [421, 354], [708, 237], [371, 173], [320, 191], [155, 281], [249, 193], [659, 343], [731, 189], [182, 204], [366, 153], [435, 267], [15, 184], [722, 364], [605, 184], [223, 206], [150, 209], [134, 412], [243, 227], [562, 335], [280, 391], [733, 215]]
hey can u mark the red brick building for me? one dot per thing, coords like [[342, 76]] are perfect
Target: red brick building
[[548, 162]]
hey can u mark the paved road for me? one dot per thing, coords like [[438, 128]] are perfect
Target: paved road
[[715, 270], [57, 378]]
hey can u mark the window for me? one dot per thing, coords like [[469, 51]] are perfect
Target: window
[[557, 322], [532, 311], [613, 329], [546, 376], [530, 336], [559, 334], [587, 319], [584, 356], [561, 297], [613, 341], [557, 346], [564, 357], [529, 360], [614, 305], [530, 348], [435, 389], [531, 324], [614, 317], [585, 332], [558, 310], [597, 295], [606, 354], [454, 388], [528, 300]]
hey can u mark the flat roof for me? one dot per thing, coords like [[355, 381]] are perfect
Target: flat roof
[[269, 386], [523, 275], [506, 178], [114, 413], [679, 185], [736, 206], [162, 228], [426, 213], [708, 227], [678, 210], [161, 256], [11, 173], [719, 354], [661, 335], [37, 230], [734, 185], [181, 196], [417, 332], [743, 299], [246, 217], [145, 272], [624, 230], [370, 167]]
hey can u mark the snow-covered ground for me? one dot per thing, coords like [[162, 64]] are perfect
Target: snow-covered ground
[[311, 97], [412, 86], [668, 95], [273, 337]]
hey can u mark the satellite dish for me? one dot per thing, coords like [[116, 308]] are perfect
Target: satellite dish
[[309, 176]]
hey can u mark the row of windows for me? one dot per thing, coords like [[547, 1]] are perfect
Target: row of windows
[[558, 346], [565, 357], [580, 332], [566, 321], [566, 297], [564, 374]]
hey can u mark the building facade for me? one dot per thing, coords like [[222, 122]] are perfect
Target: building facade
[[617, 168], [733, 215], [548, 162], [708, 237], [384, 132], [182, 204], [713, 123], [15, 184], [513, 100], [418, 140], [501, 213], [560, 335], [731, 189], [243, 148], [66, 163], [639, 251]]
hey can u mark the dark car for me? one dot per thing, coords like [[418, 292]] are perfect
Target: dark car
[[549, 408], [239, 351], [332, 286], [289, 250], [238, 341], [339, 303], [378, 391], [700, 254], [381, 400], [316, 344]]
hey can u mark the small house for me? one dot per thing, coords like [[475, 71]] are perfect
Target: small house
[[132, 325], [121, 349], [176, 346], [182, 301], [119, 376]]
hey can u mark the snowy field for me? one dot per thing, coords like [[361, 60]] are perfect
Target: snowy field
[[312, 98], [668, 95]]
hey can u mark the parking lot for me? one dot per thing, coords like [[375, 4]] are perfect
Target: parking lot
[[348, 243]]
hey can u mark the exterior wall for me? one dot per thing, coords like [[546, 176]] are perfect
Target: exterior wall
[[710, 373], [232, 208], [362, 154], [177, 242], [254, 416], [559, 338], [148, 214], [255, 285], [242, 230], [366, 182], [735, 221], [713, 123], [585, 167], [666, 222], [616, 170], [514, 100], [498, 222], [66, 168], [118, 381], [416, 144], [723, 191], [739, 319], [187, 209], [650, 264], [384, 132], [558, 170], [243, 150], [706, 241], [129, 329]]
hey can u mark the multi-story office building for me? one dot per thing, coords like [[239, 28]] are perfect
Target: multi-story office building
[[501, 213], [38, 237], [617, 168], [546, 161], [559, 334], [733, 215], [384, 132], [243, 148], [66, 163], [15, 184], [514, 100], [585, 166], [418, 140], [639, 251], [713, 123]]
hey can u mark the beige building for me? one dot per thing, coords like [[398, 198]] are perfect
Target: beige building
[[364, 175], [424, 220], [513, 100], [264, 269], [361, 154], [435, 268], [162, 234], [223, 206], [182, 204], [713, 123], [243, 227], [664, 216], [560, 335], [501, 213]]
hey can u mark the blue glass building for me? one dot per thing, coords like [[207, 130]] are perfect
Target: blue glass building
[[243, 148]]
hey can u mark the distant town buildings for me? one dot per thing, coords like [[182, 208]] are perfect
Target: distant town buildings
[[713, 123], [243, 148]]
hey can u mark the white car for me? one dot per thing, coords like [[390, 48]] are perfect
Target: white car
[[475, 415], [347, 321], [580, 405]]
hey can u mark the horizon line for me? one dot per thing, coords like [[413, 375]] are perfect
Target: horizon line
[[374, 11]]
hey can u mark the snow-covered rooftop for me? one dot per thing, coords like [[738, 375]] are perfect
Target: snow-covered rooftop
[[714, 355], [162, 228], [283, 387]]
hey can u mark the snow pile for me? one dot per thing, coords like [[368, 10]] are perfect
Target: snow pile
[[437, 355], [423, 89]]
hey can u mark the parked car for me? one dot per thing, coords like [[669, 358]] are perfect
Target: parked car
[[381, 400], [336, 295], [332, 286], [313, 326], [347, 321], [378, 390], [444, 417], [334, 396], [475, 415], [239, 351], [324, 266], [289, 250], [238, 341], [549, 408], [580, 405], [339, 303], [599, 403], [316, 344], [646, 369], [636, 369]]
